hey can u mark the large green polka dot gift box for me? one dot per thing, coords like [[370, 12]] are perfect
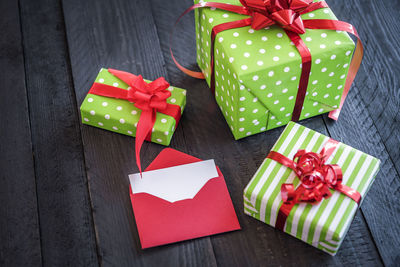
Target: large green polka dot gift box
[[122, 116], [258, 72], [310, 187]]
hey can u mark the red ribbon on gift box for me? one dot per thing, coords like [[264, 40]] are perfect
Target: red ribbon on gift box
[[285, 14], [316, 178], [150, 98]]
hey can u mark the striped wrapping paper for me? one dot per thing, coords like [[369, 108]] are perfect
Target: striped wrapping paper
[[323, 225]]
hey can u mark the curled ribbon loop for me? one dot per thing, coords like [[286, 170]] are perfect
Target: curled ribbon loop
[[150, 98], [316, 178]]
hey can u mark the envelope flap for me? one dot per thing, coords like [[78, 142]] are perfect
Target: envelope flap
[[174, 183]]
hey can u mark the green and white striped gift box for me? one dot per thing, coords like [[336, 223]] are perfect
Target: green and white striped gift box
[[323, 225]]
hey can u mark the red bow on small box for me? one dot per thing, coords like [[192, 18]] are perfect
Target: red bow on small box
[[286, 14], [150, 98], [316, 178]]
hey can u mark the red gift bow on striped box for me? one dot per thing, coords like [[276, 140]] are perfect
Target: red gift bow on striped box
[[286, 14], [316, 178], [150, 98]]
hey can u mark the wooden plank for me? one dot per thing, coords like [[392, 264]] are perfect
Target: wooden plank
[[256, 244], [121, 35], [67, 233], [370, 119], [379, 78], [19, 224]]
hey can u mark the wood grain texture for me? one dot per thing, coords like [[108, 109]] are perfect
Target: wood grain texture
[[19, 225], [257, 243], [381, 67], [66, 225], [120, 34], [370, 120]]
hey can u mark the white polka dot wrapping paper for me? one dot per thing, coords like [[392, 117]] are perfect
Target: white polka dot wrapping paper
[[325, 224], [121, 116], [257, 72]]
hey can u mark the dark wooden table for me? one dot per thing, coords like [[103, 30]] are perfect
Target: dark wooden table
[[64, 186]]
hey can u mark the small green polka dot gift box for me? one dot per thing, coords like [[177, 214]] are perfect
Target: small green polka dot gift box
[[259, 80], [310, 187], [122, 116]]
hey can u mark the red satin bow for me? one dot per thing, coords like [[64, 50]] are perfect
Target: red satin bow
[[286, 13], [150, 98], [316, 178]]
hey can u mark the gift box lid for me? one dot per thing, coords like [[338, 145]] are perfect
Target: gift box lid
[[325, 224]]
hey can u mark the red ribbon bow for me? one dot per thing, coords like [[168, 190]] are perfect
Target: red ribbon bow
[[286, 14], [316, 178], [150, 98]]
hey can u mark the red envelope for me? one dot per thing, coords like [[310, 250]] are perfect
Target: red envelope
[[161, 222]]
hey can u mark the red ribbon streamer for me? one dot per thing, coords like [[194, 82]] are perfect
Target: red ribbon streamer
[[286, 14], [316, 178], [150, 98]]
